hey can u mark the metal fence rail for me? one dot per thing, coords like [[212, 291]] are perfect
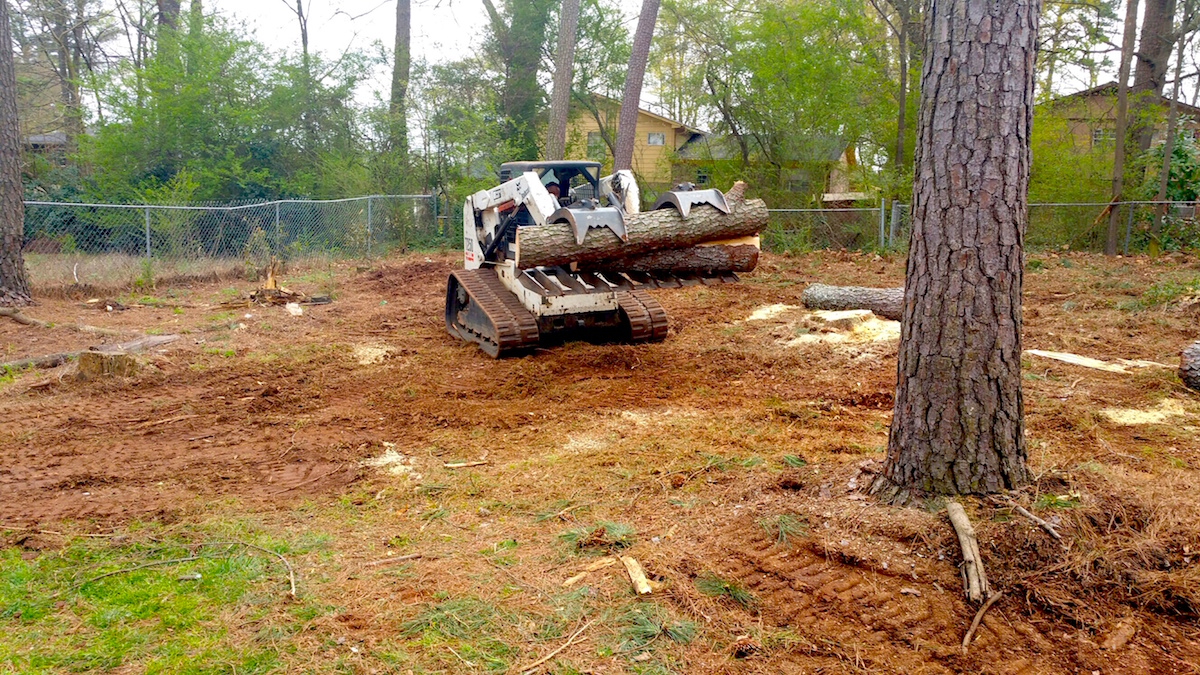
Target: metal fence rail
[[116, 244]]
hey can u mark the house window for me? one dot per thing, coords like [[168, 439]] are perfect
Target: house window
[[1102, 136], [702, 177], [596, 149], [656, 138]]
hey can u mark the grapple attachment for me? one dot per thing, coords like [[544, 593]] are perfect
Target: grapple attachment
[[590, 216], [685, 195]]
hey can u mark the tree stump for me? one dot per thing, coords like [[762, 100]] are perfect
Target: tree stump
[[95, 365], [1189, 366]]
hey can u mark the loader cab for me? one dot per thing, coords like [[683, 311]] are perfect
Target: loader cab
[[577, 180]]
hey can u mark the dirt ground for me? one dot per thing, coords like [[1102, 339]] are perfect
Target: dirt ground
[[750, 411]]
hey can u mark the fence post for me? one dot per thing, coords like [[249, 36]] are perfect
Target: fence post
[[147, 213], [894, 223], [1128, 227], [882, 220], [278, 233], [368, 227]]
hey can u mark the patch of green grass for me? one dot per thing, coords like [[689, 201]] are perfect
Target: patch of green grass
[[1034, 264], [603, 535], [646, 623], [464, 630], [714, 586], [1049, 501], [1162, 293], [223, 353], [56, 613], [751, 462], [783, 526], [794, 461]]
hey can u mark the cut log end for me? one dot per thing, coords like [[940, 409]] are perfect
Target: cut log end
[[1189, 366]]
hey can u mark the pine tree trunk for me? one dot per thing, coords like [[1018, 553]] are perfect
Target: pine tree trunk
[[703, 259], [560, 97], [400, 73], [1154, 60], [649, 231], [884, 302], [14, 285], [1119, 137], [1189, 366], [168, 13], [631, 99], [957, 426]]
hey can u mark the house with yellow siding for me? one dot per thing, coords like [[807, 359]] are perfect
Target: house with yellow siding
[[591, 134]]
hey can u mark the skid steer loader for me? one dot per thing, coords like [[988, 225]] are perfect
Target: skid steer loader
[[508, 310]]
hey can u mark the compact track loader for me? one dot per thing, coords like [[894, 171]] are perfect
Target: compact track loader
[[505, 310]]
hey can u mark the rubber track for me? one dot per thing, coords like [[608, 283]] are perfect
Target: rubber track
[[647, 318], [514, 328]]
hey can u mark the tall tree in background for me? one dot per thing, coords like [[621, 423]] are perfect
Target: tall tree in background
[[631, 99], [957, 427], [400, 72], [168, 13], [14, 286], [1164, 24], [560, 96], [517, 39], [1120, 142], [905, 25]]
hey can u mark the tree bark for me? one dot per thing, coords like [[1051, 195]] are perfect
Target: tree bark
[[649, 231], [1154, 59], [885, 302], [1189, 366], [631, 99], [703, 259], [1119, 141], [560, 97], [1164, 176], [168, 13], [957, 425], [400, 73], [14, 284]]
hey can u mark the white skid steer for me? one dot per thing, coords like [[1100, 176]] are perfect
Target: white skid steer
[[508, 310]]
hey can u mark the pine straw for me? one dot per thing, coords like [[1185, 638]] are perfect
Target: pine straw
[[1132, 540]]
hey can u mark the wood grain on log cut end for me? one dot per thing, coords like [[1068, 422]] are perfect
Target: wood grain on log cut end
[[1189, 366]]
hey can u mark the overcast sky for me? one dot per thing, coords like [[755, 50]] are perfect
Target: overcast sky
[[442, 30]]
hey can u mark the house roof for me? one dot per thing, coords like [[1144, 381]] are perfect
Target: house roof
[[649, 113], [1110, 89], [53, 138]]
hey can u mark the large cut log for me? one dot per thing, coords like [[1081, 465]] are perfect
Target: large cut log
[[554, 244], [1189, 366], [703, 259], [885, 302]]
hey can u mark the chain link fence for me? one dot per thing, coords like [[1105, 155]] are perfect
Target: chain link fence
[[1061, 226], [112, 245]]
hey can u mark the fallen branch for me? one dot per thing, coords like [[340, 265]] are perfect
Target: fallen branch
[[463, 465], [570, 641], [47, 361], [395, 559], [976, 579], [979, 618], [641, 585], [1041, 523], [16, 315]]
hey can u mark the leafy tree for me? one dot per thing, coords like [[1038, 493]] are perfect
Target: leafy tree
[[515, 45]]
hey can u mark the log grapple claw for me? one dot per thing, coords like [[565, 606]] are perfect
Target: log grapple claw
[[684, 196]]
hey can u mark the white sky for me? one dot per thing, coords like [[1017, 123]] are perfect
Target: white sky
[[442, 30]]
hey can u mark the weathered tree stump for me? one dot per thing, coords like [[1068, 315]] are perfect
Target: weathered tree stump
[[95, 365], [1189, 366], [884, 302]]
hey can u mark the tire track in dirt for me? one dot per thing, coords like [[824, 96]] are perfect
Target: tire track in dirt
[[872, 618]]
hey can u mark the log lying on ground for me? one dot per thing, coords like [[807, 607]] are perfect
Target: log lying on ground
[[975, 579], [702, 259], [884, 302], [1189, 366], [554, 244], [54, 360]]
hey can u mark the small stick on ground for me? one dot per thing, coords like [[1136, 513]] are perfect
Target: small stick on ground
[[1041, 523], [976, 579], [978, 618], [395, 559], [637, 577], [570, 641]]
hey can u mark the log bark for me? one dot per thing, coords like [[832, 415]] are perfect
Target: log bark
[[958, 425], [649, 231], [883, 302], [1189, 366], [703, 259]]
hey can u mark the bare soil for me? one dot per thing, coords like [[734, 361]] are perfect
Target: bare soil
[[262, 412]]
